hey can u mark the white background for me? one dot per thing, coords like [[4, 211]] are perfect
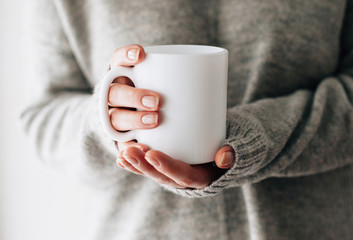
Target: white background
[[36, 203]]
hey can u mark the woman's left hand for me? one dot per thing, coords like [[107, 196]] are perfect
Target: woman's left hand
[[138, 159]]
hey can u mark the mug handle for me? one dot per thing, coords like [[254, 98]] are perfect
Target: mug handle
[[103, 104]]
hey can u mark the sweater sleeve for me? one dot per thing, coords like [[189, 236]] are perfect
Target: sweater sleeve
[[61, 117], [306, 132]]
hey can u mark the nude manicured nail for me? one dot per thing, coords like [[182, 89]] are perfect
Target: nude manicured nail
[[131, 160], [150, 101], [125, 163], [118, 162], [150, 119], [227, 159], [133, 54]]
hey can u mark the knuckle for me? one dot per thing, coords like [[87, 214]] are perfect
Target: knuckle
[[123, 95], [118, 56], [115, 57], [120, 88]]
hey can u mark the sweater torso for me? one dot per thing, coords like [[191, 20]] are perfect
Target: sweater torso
[[275, 48]]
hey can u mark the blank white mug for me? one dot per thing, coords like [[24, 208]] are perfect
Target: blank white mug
[[192, 81]]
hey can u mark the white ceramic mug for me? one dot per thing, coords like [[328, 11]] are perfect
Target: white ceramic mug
[[192, 81]]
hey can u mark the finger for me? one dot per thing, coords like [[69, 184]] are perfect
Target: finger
[[121, 162], [123, 145], [137, 159], [128, 56], [124, 120], [225, 157], [122, 95], [180, 172]]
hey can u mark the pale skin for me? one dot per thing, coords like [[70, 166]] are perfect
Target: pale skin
[[137, 158]]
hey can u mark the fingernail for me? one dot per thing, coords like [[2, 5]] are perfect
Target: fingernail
[[150, 101], [150, 119], [153, 161], [131, 160], [133, 54], [125, 163], [227, 159], [118, 162]]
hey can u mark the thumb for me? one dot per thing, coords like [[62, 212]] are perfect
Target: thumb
[[225, 157]]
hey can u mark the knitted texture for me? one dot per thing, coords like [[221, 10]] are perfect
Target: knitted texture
[[289, 118]]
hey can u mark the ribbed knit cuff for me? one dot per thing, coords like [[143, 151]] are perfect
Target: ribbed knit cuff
[[249, 142]]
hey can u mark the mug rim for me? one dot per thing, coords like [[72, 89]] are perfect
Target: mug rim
[[185, 49]]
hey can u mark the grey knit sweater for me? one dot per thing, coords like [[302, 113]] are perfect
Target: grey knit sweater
[[290, 114]]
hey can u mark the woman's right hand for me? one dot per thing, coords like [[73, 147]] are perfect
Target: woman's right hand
[[123, 97]]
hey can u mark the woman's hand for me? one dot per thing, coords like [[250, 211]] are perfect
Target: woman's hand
[[136, 157], [123, 98]]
